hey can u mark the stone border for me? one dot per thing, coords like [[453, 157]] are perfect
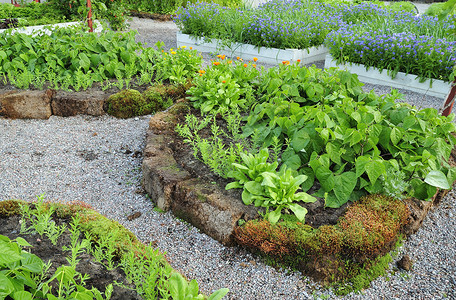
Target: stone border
[[203, 204], [36, 104], [248, 52], [437, 88]]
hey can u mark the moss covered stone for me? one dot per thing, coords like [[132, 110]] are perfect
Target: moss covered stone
[[127, 104], [347, 250]]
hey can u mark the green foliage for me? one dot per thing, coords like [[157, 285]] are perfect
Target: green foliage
[[25, 276], [32, 13], [180, 289], [224, 85], [265, 188], [322, 125], [212, 151], [71, 58], [41, 221], [115, 12], [176, 65]]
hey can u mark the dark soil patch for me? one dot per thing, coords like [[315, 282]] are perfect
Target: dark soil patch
[[317, 214], [8, 23], [100, 277]]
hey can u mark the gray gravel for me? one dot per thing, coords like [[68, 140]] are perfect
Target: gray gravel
[[92, 159]]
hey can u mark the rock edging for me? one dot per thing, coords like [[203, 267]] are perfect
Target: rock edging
[[41, 104], [203, 204]]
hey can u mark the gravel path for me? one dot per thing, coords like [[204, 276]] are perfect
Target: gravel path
[[96, 160]]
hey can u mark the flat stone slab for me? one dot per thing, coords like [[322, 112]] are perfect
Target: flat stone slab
[[26, 104], [66, 104], [35, 104]]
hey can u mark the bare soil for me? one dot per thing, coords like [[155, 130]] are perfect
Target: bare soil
[[8, 23], [100, 277]]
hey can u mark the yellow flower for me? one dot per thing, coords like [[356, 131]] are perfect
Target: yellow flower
[[255, 59], [173, 52], [183, 47], [254, 65], [286, 62]]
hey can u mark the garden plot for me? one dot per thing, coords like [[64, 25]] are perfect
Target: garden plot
[[311, 156]]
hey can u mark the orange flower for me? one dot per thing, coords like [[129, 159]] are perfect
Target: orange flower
[[191, 48], [254, 65], [255, 59], [216, 63], [286, 62], [298, 60], [238, 58], [223, 81], [221, 56], [230, 61], [201, 71], [245, 65], [201, 74]]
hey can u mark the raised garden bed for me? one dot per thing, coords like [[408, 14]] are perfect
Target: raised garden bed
[[348, 227], [249, 52], [178, 182], [86, 255], [434, 87]]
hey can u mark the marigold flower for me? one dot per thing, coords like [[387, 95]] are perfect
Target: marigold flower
[[230, 61], [173, 52], [254, 65], [191, 48], [183, 47], [223, 81], [298, 60], [221, 56], [201, 71], [245, 65], [286, 62], [201, 74], [238, 58], [255, 59], [216, 63]]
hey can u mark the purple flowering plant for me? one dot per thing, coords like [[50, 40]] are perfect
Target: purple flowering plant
[[398, 42]]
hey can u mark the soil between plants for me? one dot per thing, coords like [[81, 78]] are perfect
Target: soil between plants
[[8, 23], [100, 277]]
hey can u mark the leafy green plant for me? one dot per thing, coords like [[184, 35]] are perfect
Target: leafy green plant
[[41, 221], [224, 85], [264, 187], [180, 289], [213, 151]]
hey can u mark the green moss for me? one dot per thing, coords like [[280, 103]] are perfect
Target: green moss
[[9, 208], [127, 104], [354, 250]]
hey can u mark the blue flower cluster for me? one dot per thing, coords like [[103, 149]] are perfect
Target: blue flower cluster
[[398, 42], [365, 33]]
